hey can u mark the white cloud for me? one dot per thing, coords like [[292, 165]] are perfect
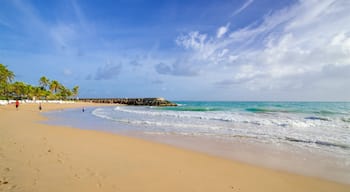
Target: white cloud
[[67, 72], [194, 40], [281, 52], [222, 30], [244, 6]]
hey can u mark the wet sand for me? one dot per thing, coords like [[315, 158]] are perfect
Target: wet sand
[[39, 157]]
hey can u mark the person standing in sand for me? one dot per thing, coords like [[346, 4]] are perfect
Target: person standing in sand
[[17, 104], [40, 108]]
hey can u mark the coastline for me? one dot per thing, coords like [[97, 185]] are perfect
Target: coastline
[[38, 157]]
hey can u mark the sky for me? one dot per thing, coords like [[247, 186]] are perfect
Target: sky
[[227, 50]]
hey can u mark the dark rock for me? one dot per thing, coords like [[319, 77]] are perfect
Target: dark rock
[[131, 101]]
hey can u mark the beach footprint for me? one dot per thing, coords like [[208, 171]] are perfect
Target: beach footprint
[[61, 158], [96, 177], [7, 169], [77, 176], [12, 187], [234, 188], [99, 184], [4, 182], [44, 140]]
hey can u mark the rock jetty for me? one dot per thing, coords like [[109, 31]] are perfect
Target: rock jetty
[[131, 101]]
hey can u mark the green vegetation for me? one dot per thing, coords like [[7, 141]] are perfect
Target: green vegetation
[[45, 90]]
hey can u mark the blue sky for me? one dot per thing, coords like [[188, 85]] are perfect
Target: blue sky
[[182, 50]]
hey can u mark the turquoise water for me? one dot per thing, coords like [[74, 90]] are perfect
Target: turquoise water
[[322, 108]]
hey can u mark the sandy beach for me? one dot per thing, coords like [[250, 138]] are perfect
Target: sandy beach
[[38, 157]]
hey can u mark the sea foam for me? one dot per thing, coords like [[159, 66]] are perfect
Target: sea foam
[[294, 126]]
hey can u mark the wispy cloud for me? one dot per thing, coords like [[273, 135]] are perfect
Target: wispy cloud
[[56, 34], [32, 19], [83, 21], [63, 34], [305, 38], [244, 6]]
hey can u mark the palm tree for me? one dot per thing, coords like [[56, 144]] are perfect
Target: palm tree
[[6, 77], [19, 89], [64, 93], [54, 86], [37, 92], [44, 82], [5, 74], [48, 89], [75, 91], [29, 91]]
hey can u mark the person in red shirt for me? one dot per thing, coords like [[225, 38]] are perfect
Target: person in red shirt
[[17, 104]]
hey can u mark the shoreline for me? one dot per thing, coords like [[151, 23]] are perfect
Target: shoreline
[[256, 153], [37, 157], [281, 157]]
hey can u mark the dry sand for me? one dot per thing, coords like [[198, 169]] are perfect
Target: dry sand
[[38, 157]]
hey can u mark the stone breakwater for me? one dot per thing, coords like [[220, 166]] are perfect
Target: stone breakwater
[[131, 101]]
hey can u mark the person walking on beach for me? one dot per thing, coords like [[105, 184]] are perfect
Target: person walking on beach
[[17, 104], [40, 108]]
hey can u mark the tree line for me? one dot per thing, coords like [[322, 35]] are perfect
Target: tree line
[[46, 89]]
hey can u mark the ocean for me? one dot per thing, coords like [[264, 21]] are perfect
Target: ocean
[[311, 131]]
